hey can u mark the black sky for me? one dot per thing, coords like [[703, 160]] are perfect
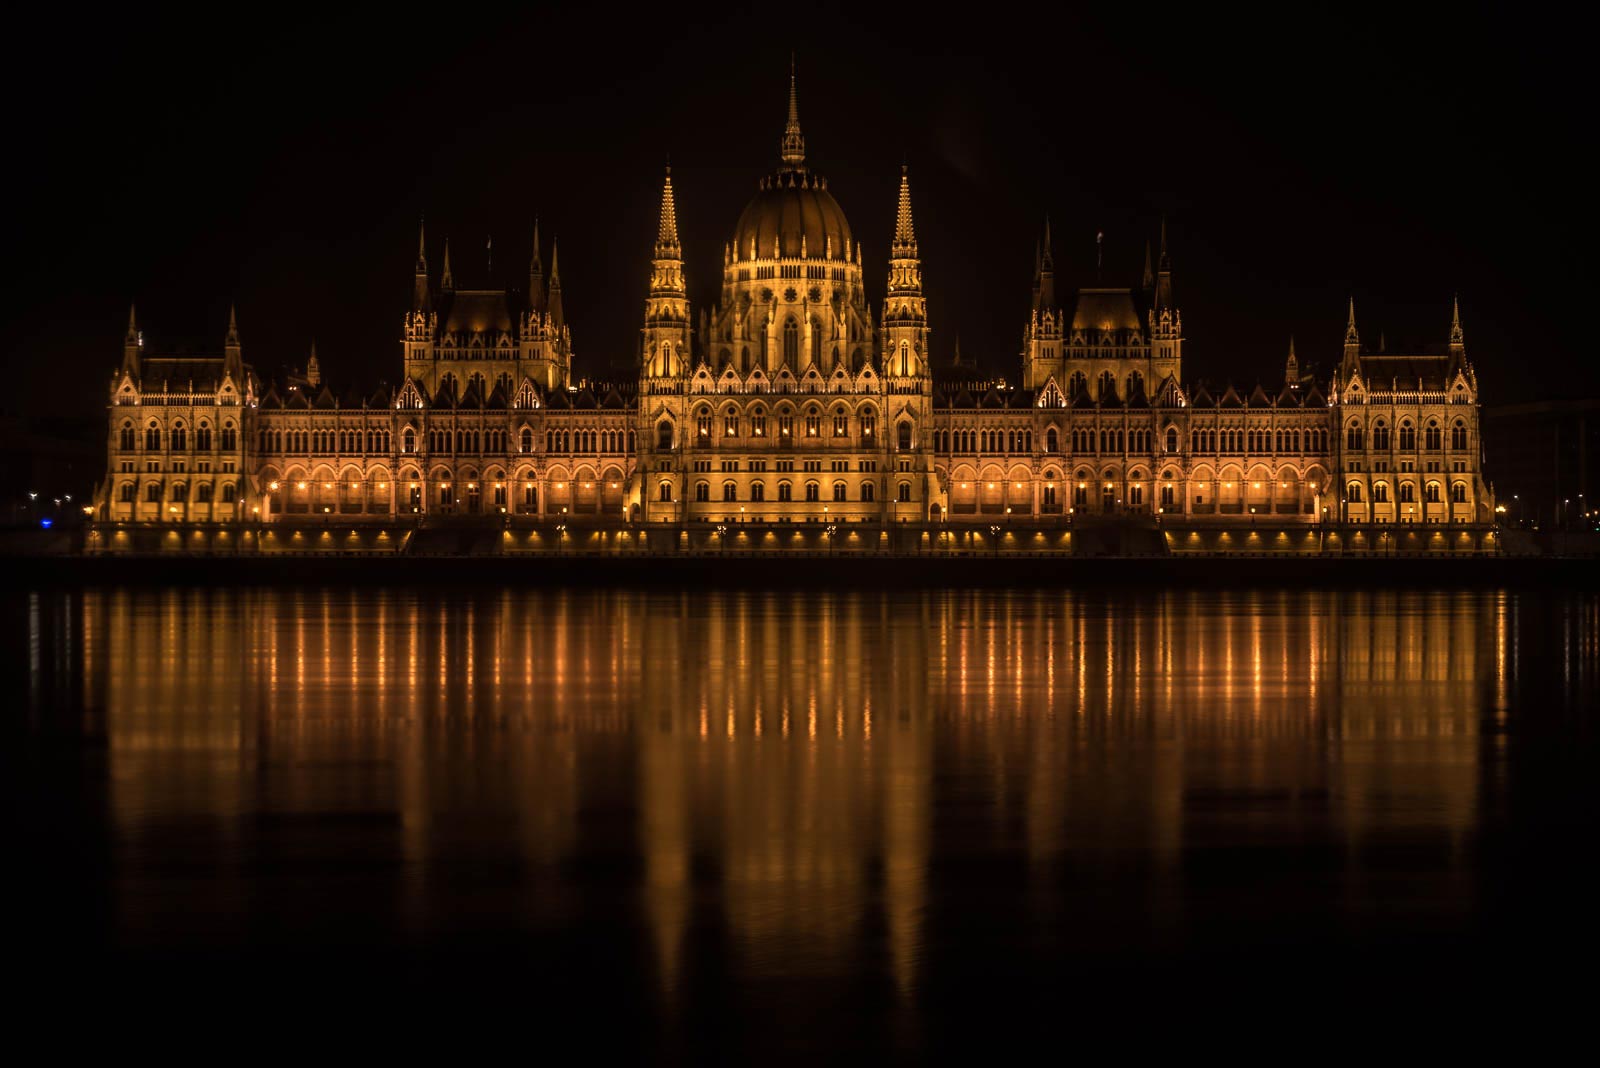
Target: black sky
[[1301, 154]]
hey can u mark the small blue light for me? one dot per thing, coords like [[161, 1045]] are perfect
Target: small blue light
[[47, 523]]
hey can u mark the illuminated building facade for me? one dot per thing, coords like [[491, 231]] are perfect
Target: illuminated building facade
[[788, 403]]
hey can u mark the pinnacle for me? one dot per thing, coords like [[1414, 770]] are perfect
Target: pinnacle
[[667, 233], [794, 142], [904, 232]]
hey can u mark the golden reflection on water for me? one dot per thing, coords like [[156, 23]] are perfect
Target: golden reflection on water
[[811, 750]]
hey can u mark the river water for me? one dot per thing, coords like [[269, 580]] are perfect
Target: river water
[[778, 826]]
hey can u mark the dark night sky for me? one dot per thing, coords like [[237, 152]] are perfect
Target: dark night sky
[[1300, 156]]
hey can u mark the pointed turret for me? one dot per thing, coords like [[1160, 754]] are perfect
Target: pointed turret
[[420, 297], [447, 283], [131, 346], [1147, 281], [665, 338], [313, 368], [536, 275], [667, 231], [1458, 341], [557, 316], [1291, 367], [905, 236], [794, 142], [1163, 296], [1044, 275], [905, 309], [1352, 340], [232, 357]]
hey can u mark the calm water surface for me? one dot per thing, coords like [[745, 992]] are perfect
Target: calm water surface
[[774, 825]]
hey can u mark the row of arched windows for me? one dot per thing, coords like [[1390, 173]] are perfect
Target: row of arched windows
[[785, 489], [1432, 436], [581, 441], [984, 440], [128, 492], [178, 438], [1407, 493]]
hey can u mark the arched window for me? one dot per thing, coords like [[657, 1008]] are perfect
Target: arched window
[[152, 492], [1353, 437], [180, 493], [228, 493], [408, 440], [525, 440], [1458, 435], [1380, 493], [152, 438], [730, 492], [1408, 437], [1433, 436], [1051, 441], [180, 438], [1458, 492], [758, 491], [785, 491], [665, 490], [664, 434], [202, 493], [813, 491], [866, 491], [1380, 435], [869, 426], [125, 492], [1408, 492], [1430, 493], [125, 437], [202, 437], [702, 491], [791, 342], [1108, 385], [903, 435], [838, 491], [1172, 439], [904, 492]]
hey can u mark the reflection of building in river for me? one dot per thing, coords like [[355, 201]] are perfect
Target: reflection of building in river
[[795, 760]]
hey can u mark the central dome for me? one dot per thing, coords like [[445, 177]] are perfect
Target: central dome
[[793, 216]]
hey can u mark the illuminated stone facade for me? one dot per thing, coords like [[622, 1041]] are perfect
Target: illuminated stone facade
[[788, 403]]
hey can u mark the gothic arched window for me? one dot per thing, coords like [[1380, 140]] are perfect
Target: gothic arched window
[[791, 342]]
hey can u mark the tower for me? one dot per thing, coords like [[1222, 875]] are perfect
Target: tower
[[1041, 342], [663, 365], [905, 310], [131, 346], [1166, 321], [232, 355], [1350, 361]]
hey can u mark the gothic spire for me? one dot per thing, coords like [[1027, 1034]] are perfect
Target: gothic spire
[[557, 315], [667, 246], [420, 299], [794, 142], [1148, 280], [905, 236], [1351, 335], [1456, 337], [1044, 273], [232, 361], [1163, 294], [131, 345], [448, 282], [536, 274]]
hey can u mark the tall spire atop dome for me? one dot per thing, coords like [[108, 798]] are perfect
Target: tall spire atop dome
[[667, 234], [1456, 336], [794, 142]]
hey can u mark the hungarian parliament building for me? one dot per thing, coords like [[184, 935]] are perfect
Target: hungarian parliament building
[[786, 403]]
